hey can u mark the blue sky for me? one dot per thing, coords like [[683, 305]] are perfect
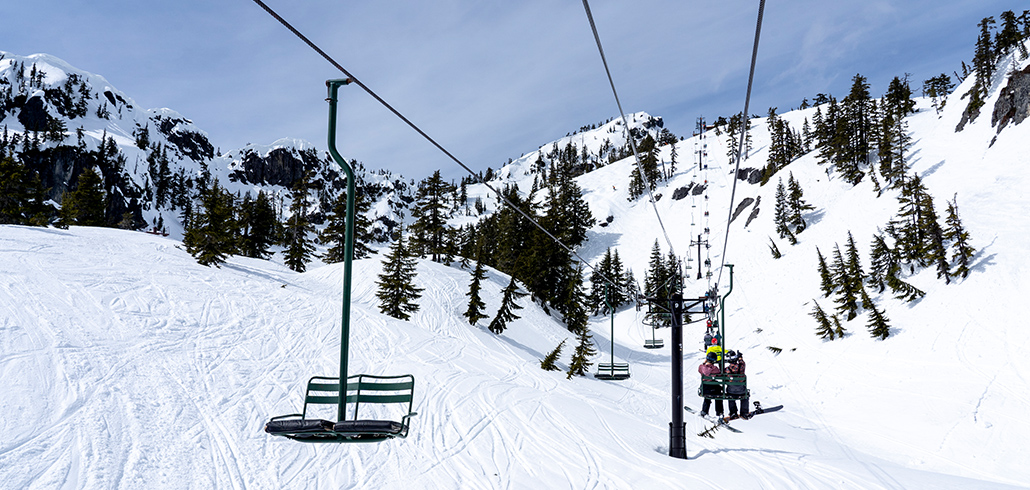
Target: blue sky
[[489, 80]]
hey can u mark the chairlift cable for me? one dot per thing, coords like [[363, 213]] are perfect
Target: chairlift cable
[[625, 124], [397, 113], [743, 134]]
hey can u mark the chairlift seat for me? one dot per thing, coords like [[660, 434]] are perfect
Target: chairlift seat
[[369, 427], [297, 426], [724, 387], [654, 343], [362, 390], [613, 371]]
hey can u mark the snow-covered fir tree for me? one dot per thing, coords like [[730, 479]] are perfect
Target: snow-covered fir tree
[[396, 291]]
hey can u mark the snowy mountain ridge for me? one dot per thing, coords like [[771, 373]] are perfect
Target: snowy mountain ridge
[[41, 92]]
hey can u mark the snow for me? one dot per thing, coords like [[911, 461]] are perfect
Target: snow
[[126, 364]]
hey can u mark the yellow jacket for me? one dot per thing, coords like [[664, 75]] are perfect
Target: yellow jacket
[[716, 349]]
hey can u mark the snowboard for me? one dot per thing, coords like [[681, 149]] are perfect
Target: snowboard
[[759, 409]]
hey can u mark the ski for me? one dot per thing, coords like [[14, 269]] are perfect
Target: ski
[[717, 420], [758, 409]]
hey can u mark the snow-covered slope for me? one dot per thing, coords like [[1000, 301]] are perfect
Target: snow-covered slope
[[128, 365]]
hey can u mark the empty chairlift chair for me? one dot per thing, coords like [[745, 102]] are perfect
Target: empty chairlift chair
[[381, 397]]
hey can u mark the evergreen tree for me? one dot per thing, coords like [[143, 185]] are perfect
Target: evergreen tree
[[673, 155], [893, 143], [837, 327], [806, 137], [883, 260], [900, 288], [797, 205], [984, 59], [826, 277], [1009, 36], [549, 268], [938, 88], [936, 252], [505, 313], [777, 150], [733, 136], [431, 213], [142, 135], [618, 293], [658, 284], [854, 263], [774, 249], [336, 229], [396, 290], [160, 174], [580, 364], [858, 110], [956, 233], [548, 362], [571, 302], [824, 328], [299, 230], [847, 294], [629, 284], [474, 313], [210, 232], [647, 150], [21, 195], [898, 99], [257, 227], [878, 323], [784, 146], [599, 285], [910, 227], [566, 214], [86, 205], [781, 214], [506, 238]]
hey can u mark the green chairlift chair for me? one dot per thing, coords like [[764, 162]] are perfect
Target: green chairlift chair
[[380, 395]]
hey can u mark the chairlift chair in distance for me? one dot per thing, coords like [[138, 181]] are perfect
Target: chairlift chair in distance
[[653, 319], [615, 371]]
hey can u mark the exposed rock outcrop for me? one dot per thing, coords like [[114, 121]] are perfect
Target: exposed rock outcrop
[[1013, 103]]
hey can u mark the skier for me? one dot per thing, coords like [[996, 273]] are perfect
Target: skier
[[714, 348], [735, 365], [708, 368]]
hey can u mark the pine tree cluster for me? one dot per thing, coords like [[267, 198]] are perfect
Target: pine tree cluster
[[850, 132], [662, 280], [787, 212], [913, 239], [846, 278], [732, 127], [991, 47], [508, 242], [784, 147], [602, 293]]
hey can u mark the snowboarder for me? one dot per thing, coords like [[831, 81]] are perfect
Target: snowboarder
[[708, 368], [735, 365]]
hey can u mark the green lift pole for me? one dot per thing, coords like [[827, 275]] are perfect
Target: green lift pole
[[348, 244], [607, 303], [722, 323]]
